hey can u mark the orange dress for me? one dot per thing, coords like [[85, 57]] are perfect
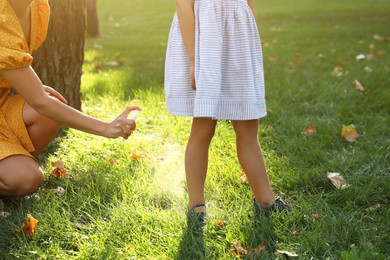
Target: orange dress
[[15, 53]]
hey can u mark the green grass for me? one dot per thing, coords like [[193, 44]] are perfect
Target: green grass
[[135, 209]]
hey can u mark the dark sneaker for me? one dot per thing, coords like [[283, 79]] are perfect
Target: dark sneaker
[[196, 219], [278, 206]]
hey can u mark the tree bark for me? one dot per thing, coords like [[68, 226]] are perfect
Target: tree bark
[[92, 18], [58, 62]]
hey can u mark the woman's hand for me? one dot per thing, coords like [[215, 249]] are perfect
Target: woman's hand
[[52, 92], [122, 126]]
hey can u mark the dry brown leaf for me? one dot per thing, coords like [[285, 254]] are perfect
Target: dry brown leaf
[[358, 85], [286, 253], [296, 232], [237, 249], [60, 170], [113, 63], [111, 161], [309, 130], [243, 178], [4, 214], [349, 132], [259, 249], [373, 208], [380, 53], [337, 71], [1, 204], [272, 58], [337, 180], [360, 57]]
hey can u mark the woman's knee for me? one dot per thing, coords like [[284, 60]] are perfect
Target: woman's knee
[[33, 117], [29, 184]]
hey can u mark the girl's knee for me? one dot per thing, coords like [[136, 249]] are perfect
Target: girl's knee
[[30, 183]]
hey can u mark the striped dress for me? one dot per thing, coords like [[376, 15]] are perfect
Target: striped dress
[[228, 64]]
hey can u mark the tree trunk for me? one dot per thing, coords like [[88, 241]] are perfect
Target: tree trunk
[[92, 18], [58, 62]]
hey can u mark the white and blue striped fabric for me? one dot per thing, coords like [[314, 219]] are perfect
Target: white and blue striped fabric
[[228, 64]]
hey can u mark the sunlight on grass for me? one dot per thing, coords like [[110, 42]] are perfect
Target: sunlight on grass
[[118, 207]]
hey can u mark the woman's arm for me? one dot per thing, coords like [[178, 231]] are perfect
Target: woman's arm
[[186, 16], [29, 86]]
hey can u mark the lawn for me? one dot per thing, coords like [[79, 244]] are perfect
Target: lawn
[[127, 199]]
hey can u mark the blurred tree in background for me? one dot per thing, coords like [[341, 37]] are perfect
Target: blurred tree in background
[[92, 18], [58, 62]]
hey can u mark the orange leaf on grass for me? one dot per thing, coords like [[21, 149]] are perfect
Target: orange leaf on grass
[[29, 226], [237, 249], [349, 132], [309, 130], [220, 223], [60, 170], [136, 156]]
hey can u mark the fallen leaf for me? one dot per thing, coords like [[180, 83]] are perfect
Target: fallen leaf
[[98, 67], [371, 48], [60, 170], [337, 180], [260, 248], [136, 156], [337, 71], [360, 57], [368, 69], [373, 208], [349, 132], [358, 85], [60, 191], [243, 178], [220, 223], [1, 204], [321, 55], [236, 249], [112, 63], [296, 232], [111, 161], [380, 53], [272, 58], [4, 214], [286, 253], [309, 130], [29, 226]]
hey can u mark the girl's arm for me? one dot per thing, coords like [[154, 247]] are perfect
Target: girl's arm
[[186, 16], [29, 86], [252, 6]]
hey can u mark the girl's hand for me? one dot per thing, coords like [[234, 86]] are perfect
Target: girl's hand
[[52, 92], [192, 76], [122, 126]]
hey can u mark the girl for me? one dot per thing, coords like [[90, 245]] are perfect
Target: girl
[[214, 71], [30, 120]]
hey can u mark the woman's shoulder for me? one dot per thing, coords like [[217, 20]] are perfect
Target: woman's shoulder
[[41, 13]]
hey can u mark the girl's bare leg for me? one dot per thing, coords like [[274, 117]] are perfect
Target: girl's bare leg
[[252, 161], [196, 159], [19, 176], [40, 128]]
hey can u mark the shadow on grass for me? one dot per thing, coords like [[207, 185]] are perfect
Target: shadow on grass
[[192, 245], [53, 145], [260, 237]]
